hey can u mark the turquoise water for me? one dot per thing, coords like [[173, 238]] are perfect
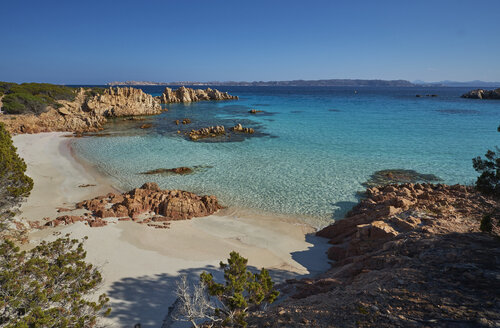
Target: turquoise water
[[313, 149]]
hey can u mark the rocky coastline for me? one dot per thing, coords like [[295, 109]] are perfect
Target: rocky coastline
[[89, 111], [482, 94], [409, 255], [86, 113], [186, 95]]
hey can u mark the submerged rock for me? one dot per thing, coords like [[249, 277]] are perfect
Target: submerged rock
[[178, 170], [482, 94], [385, 177]]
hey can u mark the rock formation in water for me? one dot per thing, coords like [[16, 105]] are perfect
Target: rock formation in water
[[410, 255], [483, 94], [240, 128], [210, 132], [87, 112], [186, 95], [147, 205]]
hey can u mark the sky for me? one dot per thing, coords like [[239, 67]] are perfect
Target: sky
[[95, 42]]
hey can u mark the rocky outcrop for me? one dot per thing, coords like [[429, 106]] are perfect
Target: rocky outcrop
[[483, 94], [186, 95], [171, 204], [410, 255], [147, 205], [210, 132], [87, 112], [240, 128]]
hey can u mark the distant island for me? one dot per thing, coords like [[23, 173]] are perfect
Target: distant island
[[294, 83]]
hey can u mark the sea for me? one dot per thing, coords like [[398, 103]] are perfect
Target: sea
[[312, 150]]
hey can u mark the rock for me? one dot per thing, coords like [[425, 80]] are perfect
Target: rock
[[210, 132], [482, 94], [186, 121], [239, 128], [64, 111], [385, 177], [178, 170], [184, 94], [146, 126], [168, 204], [86, 113]]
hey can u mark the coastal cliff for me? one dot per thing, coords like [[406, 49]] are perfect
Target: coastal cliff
[[87, 112], [408, 255], [186, 95], [483, 94]]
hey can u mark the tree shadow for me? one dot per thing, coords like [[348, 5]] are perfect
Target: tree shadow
[[146, 299]]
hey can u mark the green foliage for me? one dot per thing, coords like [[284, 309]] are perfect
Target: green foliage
[[94, 91], [242, 291], [47, 286], [32, 97], [14, 183], [489, 180]]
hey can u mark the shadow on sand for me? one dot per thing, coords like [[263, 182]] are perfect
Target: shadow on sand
[[146, 299]]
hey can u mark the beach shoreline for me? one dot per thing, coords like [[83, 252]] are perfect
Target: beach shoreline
[[138, 261]]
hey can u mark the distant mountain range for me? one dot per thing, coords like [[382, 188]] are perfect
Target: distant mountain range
[[326, 83], [298, 83], [447, 83]]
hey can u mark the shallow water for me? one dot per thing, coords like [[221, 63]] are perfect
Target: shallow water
[[313, 147]]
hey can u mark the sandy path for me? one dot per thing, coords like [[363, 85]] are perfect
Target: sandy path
[[141, 265]]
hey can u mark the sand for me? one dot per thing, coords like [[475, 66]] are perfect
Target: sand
[[141, 265]]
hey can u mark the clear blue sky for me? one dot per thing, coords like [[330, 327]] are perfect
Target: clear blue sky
[[90, 41]]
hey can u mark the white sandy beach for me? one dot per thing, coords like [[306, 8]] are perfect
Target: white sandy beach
[[141, 265]]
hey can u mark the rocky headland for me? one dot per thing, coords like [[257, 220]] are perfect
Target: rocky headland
[[409, 255], [483, 94], [186, 95], [87, 112]]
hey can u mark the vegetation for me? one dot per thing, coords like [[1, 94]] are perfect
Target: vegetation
[[241, 292], [32, 97], [228, 304], [489, 180], [47, 286], [14, 183]]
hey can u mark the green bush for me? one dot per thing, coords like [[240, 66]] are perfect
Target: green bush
[[33, 97], [14, 183], [49, 286], [489, 180], [242, 291]]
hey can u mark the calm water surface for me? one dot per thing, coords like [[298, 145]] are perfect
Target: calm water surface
[[313, 147]]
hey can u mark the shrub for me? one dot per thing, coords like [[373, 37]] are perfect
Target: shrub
[[47, 286], [241, 292], [14, 183], [32, 97], [489, 180]]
